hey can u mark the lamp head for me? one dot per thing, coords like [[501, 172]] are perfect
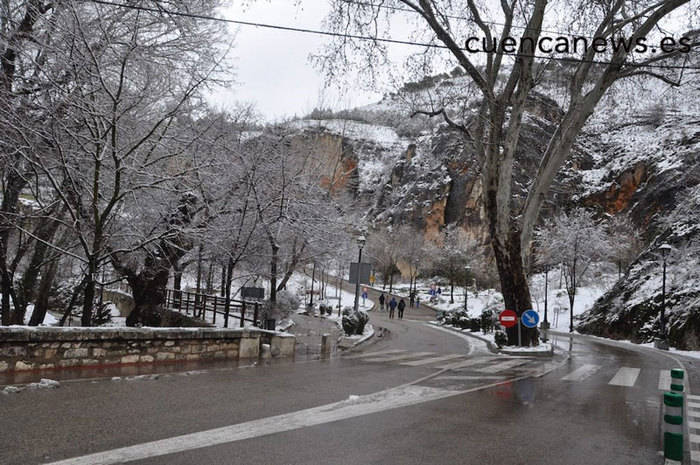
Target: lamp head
[[665, 249]]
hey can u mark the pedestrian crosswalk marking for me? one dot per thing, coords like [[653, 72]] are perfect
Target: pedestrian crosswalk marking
[[463, 364], [502, 366], [581, 373], [428, 361], [695, 455], [692, 397], [393, 358], [372, 354], [625, 376], [694, 424], [665, 380], [467, 378], [694, 405]]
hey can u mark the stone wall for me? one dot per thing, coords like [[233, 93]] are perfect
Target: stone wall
[[24, 348]]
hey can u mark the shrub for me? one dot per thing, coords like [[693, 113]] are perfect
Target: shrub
[[474, 325], [500, 338]]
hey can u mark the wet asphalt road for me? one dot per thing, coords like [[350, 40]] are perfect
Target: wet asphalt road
[[529, 415]]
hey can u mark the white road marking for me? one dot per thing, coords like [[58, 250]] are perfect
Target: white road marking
[[373, 354], [695, 455], [581, 373], [694, 405], [393, 358], [463, 364], [625, 376], [694, 438], [502, 366], [665, 380], [428, 361], [692, 397], [468, 378], [694, 424]]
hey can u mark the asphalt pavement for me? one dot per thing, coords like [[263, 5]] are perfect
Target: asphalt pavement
[[420, 395]]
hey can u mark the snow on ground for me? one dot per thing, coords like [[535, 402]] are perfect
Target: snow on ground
[[49, 320], [557, 304]]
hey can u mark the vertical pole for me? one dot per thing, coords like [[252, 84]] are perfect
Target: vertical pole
[[243, 314], [213, 318], [204, 307], [228, 309], [357, 282], [546, 280], [663, 303], [520, 338], [187, 303], [255, 315]]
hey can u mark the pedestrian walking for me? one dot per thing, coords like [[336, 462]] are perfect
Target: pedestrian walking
[[402, 306], [381, 302], [417, 301], [412, 299], [392, 306]]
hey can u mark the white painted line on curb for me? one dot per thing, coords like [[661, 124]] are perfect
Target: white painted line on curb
[[581, 373], [625, 376]]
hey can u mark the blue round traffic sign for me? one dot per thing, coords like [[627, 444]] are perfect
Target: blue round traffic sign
[[529, 318]]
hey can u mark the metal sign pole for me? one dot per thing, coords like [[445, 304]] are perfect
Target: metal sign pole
[[520, 340]]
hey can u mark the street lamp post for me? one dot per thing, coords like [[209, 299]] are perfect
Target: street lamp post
[[545, 323], [466, 286], [361, 244], [664, 249]]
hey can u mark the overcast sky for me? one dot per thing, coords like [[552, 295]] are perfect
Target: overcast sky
[[272, 67]]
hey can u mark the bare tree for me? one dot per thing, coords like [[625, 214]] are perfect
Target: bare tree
[[627, 243], [491, 115], [385, 250], [575, 241], [412, 252]]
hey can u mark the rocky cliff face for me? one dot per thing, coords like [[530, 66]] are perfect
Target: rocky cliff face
[[635, 157]]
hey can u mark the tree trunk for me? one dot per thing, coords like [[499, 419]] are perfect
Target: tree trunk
[[149, 297], [222, 291], [273, 273], [41, 306], [391, 282], [210, 278], [89, 296], [516, 293], [73, 298], [452, 291]]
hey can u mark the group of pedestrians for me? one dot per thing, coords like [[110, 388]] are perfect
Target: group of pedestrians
[[392, 305]]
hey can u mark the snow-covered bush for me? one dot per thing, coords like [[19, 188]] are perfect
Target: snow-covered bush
[[287, 303], [500, 338]]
